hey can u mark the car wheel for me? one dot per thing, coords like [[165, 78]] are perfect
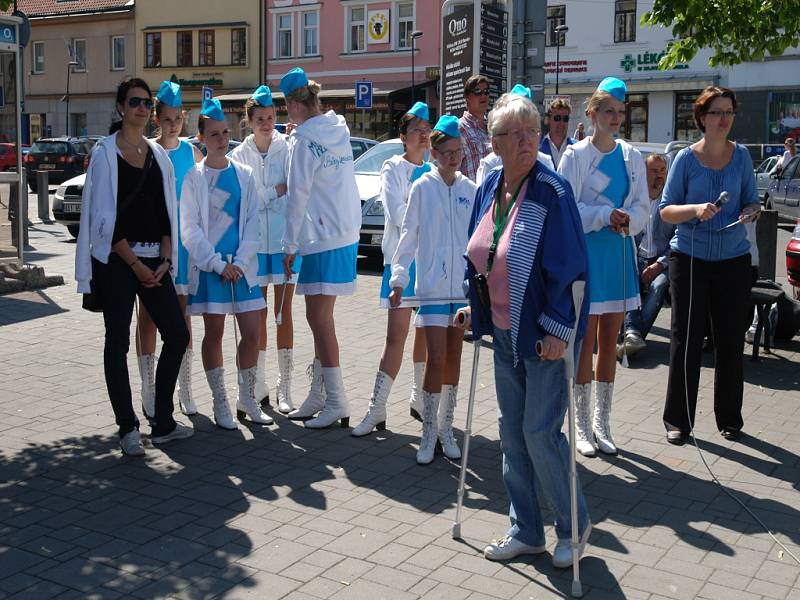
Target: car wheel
[[74, 230]]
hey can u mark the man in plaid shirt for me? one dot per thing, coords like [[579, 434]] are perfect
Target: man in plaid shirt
[[474, 134]]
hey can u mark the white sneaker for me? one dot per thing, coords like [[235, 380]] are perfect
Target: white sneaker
[[181, 432], [750, 335], [508, 547], [562, 555], [131, 443]]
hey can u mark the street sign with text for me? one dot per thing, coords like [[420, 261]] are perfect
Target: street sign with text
[[363, 94]]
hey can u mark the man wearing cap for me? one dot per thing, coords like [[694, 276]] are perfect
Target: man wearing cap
[[557, 140], [474, 135]]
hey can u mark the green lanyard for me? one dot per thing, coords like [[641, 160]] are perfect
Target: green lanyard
[[500, 223]]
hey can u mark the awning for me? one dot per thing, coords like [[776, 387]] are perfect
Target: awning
[[637, 85], [340, 93]]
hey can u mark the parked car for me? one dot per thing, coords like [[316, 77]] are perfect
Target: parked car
[[67, 203], [793, 260], [783, 193], [62, 158], [762, 174], [361, 145], [8, 156]]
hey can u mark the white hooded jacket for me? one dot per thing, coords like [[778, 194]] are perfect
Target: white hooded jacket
[[268, 171], [195, 225], [99, 207], [435, 234], [325, 209], [396, 181]]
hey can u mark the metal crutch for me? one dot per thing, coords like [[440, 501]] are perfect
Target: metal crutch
[[578, 289], [476, 342]]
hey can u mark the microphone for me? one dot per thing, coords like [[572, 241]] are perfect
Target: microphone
[[723, 199]]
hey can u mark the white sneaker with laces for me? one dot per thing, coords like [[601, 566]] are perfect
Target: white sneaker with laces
[[508, 547], [131, 443], [181, 432], [562, 555]]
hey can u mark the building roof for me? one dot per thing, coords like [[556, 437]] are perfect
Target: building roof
[[52, 8]]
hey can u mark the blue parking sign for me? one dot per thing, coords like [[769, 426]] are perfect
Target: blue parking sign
[[363, 94], [208, 92]]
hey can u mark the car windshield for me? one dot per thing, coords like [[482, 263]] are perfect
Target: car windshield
[[49, 148], [372, 160]]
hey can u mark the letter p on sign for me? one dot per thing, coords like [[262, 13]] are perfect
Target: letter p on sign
[[363, 94]]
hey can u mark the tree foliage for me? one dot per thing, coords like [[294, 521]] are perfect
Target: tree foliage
[[6, 4], [736, 30]]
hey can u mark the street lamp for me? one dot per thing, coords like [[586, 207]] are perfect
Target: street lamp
[[70, 65], [414, 36], [559, 30]]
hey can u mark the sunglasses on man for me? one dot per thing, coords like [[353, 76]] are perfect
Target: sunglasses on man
[[480, 92], [560, 118], [135, 101]]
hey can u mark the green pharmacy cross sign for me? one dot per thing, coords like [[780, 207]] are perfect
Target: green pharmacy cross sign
[[645, 61]]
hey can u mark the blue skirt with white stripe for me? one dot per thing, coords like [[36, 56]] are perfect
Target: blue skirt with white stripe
[[270, 269], [409, 300], [329, 273], [437, 315]]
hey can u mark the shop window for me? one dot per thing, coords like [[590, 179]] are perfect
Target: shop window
[[79, 55], [284, 37], [556, 15], [38, 57], [405, 24], [205, 39], [625, 21], [635, 127], [310, 33], [152, 55], [685, 128], [239, 46], [184, 48], [358, 29], [117, 53]]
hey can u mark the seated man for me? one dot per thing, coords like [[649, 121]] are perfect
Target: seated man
[[653, 254]]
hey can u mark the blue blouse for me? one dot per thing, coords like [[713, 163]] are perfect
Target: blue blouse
[[689, 182]]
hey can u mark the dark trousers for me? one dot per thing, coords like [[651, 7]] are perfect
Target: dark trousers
[[118, 287], [722, 291]]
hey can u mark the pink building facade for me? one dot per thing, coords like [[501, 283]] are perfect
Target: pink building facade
[[339, 42]]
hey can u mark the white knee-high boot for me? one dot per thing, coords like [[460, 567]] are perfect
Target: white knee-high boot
[[376, 414], [147, 370], [284, 386], [427, 444], [582, 392], [447, 407], [185, 399], [222, 412], [415, 401], [315, 400], [262, 389], [336, 404], [247, 405], [601, 424]]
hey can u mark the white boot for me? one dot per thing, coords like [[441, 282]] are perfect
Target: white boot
[[188, 407], [222, 412], [147, 370], [262, 389], [315, 400], [427, 444], [336, 404], [602, 416], [376, 415], [284, 387], [582, 392], [247, 405], [447, 407], [415, 400]]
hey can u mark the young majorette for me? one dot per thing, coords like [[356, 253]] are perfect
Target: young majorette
[[435, 235], [267, 153], [169, 118], [397, 175], [322, 224], [220, 229]]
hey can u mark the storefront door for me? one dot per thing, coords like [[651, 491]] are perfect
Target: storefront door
[[635, 127]]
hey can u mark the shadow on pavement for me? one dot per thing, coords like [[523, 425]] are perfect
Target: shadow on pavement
[[26, 306]]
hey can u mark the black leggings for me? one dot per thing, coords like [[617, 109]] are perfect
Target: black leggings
[[118, 286], [722, 291]]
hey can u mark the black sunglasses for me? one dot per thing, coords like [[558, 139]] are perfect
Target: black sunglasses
[[135, 101], [480, 92], [559, 118]]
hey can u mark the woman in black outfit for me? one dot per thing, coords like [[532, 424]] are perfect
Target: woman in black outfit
[[125, 246]]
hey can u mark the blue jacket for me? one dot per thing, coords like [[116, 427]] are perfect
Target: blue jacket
[[544, 145], [546, 255]]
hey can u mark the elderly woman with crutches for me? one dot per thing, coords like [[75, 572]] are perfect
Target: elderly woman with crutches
[[526, 251]]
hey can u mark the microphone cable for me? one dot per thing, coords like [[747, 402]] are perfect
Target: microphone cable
[[714, 477]]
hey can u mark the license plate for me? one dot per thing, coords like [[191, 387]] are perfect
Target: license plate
[[46, 167], [71, 208], [377, 239]]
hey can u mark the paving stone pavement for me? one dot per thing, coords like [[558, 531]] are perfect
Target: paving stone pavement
[[285, 512]]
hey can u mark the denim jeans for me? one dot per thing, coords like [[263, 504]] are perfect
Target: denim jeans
[[641, 320], [532, 399]]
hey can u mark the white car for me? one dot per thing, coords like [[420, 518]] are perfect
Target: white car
[[67, 203]]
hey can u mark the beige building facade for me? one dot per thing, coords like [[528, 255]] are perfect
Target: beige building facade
[[201, 44]]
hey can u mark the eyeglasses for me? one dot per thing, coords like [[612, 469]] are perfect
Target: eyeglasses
[[517, 135], [419, 130], [722, 113], [480, 92], [559, 118], [135, 101], [448, 154]]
